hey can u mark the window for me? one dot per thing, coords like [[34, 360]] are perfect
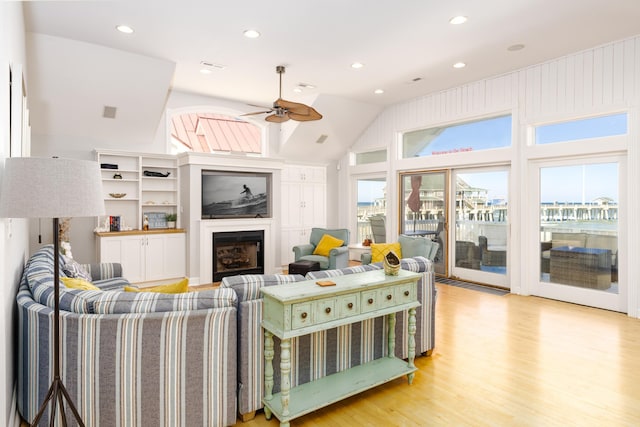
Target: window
[[371, 157], [371, 202], [209, 133], [593, 127], [470, 136]]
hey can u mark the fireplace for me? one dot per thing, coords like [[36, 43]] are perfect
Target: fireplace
[[237, 252]]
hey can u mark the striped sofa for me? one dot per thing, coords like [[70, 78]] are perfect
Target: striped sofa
[[128, 359], [322, 353]]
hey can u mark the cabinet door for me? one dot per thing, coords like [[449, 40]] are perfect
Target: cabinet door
[[291, 204], [291, 238], [155, 256], [175, 255], [313, 205], [129, 252]]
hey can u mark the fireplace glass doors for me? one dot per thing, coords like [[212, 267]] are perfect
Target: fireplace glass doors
[[237, 252]]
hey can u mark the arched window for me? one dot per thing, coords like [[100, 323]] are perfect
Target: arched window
[[211, 132]]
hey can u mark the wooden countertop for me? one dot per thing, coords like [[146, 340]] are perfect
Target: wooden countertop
[[139, 232]]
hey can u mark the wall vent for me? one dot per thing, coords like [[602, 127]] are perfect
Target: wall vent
[[109, 112], [322, 139]]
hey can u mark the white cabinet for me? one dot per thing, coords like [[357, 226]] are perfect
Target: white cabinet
[[137, 184], [145, 256], [303, 206]]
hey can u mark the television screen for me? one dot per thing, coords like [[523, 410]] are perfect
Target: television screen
[[235, 194]]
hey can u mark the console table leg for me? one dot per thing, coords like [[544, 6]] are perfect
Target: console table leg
[[285, 375], [268, 370], [391, 333], [412, 342]]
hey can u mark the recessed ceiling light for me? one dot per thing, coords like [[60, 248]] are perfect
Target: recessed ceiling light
[[357, 65], [124, 29], [459, 65], [297, 89], [457, 20], [251, 34], [205, 71], [515, 47], [378, 91]]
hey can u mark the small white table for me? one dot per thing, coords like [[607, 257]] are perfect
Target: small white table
[[301, 308], [356, 250]]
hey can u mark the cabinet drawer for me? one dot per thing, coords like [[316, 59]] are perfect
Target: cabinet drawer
[[387, 297], [406, 293], [369, 301], [348, 305], [301, 315], [324, 311]]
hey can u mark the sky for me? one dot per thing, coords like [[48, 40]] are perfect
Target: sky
[[557, 184]]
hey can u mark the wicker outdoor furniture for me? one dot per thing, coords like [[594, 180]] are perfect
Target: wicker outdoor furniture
[[577, 266]]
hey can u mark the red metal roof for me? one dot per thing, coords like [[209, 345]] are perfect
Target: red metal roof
[[206, 133]]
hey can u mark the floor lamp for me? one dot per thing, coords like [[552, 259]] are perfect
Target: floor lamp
[[52, 188]]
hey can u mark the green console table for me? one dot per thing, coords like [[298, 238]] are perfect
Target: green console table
[[301, 308]]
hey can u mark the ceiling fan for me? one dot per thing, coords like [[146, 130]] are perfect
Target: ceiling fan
[[284, 110]]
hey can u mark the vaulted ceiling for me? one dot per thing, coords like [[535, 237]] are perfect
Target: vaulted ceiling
[[407, 49]]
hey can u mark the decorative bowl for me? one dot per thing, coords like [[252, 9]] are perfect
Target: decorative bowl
[[117, 195]]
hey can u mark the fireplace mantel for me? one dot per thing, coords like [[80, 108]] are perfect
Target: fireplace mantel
[[208, 227]]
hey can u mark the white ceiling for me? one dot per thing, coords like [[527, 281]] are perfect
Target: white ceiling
[[398, 41]]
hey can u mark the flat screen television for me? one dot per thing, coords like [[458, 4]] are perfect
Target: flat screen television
[[227, 194]]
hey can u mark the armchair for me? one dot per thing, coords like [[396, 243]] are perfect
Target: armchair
[[338, 257], [411, 246]]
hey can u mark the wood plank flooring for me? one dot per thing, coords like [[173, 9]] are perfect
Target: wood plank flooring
[[507, 361]]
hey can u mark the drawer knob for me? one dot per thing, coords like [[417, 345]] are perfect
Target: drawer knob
[[350, 305], [389, 297], [370, 300], [304, 315], [327, 310], [406, 293]]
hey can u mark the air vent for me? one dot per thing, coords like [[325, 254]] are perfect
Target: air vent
[[322, 139], [109, 112]]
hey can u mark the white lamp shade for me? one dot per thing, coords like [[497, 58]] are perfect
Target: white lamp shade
[[35, 187]]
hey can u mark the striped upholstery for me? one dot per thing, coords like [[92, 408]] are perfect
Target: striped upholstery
[[323, 353], [170, 368]]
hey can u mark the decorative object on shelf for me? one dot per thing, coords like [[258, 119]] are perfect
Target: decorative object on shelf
[[145, 223], [117, 176], [157, 220], [171, 220], [39, 188], [156, 174], [114, 223], [117, 195], [391, 264], [108, 166], [367, 242]]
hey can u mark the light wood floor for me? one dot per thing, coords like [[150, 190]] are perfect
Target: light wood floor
[[507, 361]]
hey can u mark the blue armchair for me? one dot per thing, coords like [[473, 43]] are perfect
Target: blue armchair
[[338, 257]]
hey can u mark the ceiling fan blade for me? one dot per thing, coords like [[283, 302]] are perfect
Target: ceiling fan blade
[[293, 107], [259, 106], [313, 115], [274, 118], [257, 112]]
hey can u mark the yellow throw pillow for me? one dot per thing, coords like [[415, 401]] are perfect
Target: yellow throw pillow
[[379, 250], [77, 283], [171, 288], [327, 243]]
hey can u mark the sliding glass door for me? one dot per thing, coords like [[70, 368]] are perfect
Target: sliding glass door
[[480, 241]]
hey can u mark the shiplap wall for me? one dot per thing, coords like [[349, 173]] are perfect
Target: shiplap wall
[[600, 79]]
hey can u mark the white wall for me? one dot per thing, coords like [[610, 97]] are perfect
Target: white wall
[[13, 232], [595, 81]]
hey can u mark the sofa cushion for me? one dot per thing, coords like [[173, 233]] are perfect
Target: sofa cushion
[[73, 269], [314, 275], [117, 302], [379, 250], [78, 283], [327, 243], [170, 288], [414, 246]]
